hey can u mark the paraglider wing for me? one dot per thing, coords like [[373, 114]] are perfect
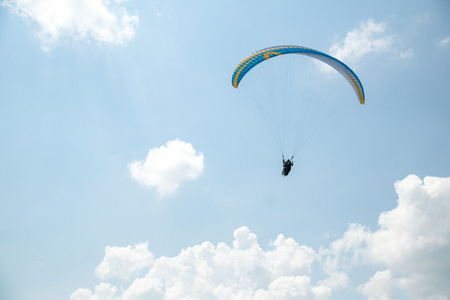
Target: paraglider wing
[[247, 64]]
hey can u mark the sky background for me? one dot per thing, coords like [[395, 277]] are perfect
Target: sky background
[[132, 169]]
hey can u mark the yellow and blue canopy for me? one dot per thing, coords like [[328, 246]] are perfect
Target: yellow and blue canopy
[[247, 64]]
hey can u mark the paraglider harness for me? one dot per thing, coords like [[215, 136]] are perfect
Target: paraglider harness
[[287, 166]]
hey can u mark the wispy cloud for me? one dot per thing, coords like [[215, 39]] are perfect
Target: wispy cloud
[[369, 37], [165, 168], [410, 248], [444, 42], [78, 19]]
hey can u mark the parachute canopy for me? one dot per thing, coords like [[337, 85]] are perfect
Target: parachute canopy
[[250, 62]]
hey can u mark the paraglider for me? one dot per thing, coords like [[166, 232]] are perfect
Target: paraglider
[[287, 166], [291, 112]]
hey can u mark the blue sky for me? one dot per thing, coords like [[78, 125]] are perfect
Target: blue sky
[[132, 169]]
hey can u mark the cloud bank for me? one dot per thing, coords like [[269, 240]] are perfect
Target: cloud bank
[[411, 249], [165, 168], [103, 21]]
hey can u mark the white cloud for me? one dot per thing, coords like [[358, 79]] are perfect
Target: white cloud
[[165, 168], [411, 248], [123, 262], [369, 37], [290, 287], [79, 19], [444, 42]]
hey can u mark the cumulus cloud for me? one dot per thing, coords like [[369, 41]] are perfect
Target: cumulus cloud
[[103, 291], [165, 168], [414, 238], [381, 286], [79, 19], [243, 271], [123, 262], [411, 249], [369, 37], [341, 254]]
